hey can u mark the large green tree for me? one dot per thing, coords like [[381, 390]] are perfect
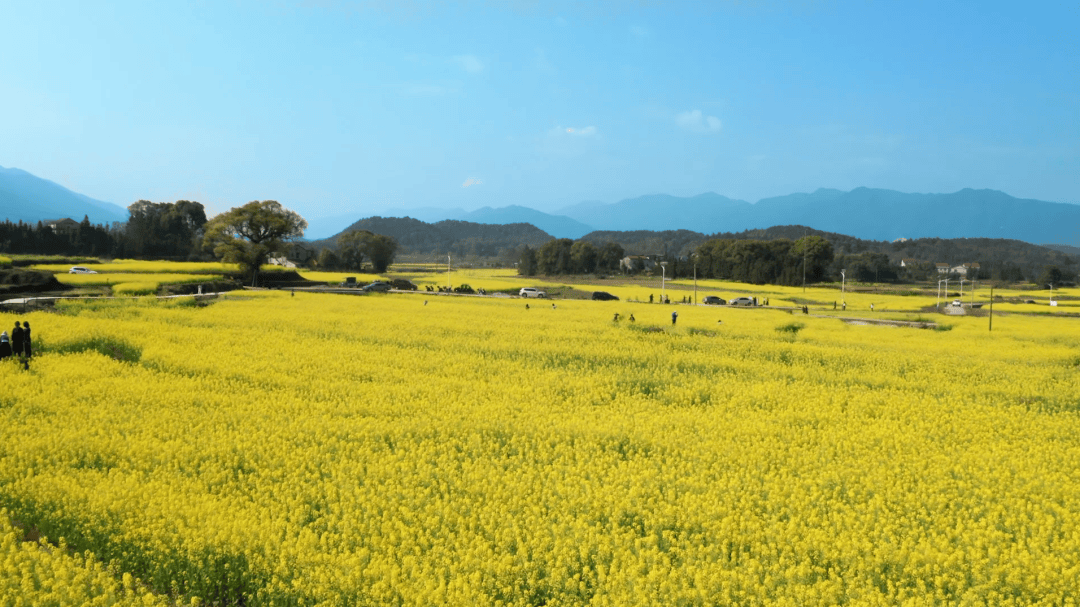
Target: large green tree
[[381, 250], [554, 257], [527, 264], [817, 253], [609, 257], [354, 246], [250, 234], [583, 257], [167, 229]]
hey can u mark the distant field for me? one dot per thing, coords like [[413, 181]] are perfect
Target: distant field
[[911, 301], [134, 266]]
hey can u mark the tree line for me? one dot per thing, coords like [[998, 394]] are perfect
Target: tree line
[[779, 261], [248, 235], [159, 230], [565, 256]]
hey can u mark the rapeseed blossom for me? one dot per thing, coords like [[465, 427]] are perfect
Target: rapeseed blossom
[[324, 450]]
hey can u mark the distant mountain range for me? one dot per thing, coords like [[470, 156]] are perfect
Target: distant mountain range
[[867, 213], [31, 199]]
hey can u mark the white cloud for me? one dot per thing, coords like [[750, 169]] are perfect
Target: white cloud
[[586, 131], [694, 120], [471, 182], [469, 63]]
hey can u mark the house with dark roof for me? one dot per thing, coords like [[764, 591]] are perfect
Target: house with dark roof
[[62, 226], [636, 263]]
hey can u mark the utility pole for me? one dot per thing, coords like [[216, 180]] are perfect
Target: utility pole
[[991, 307], [804, 262], [696, 279]]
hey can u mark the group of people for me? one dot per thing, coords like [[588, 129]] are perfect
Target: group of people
[[18, 344]]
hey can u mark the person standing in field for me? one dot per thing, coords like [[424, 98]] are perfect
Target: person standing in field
[[674, 317], [26, 338], [5, 346], [17, 340]]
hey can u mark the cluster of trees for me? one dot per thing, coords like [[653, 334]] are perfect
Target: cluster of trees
[[565, 256], [165, 229], [162, 230], [354, 248], [779, 261], [87, 239], [247, 235]]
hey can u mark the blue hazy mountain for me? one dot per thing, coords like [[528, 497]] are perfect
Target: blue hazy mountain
[[663, 212], [887, 215], [559, 226], [866, 213], [31, 199]]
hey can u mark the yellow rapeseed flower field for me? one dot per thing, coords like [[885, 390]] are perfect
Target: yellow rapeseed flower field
[[307, 449]]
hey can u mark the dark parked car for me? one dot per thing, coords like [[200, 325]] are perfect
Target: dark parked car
[[402, 285], [713, 300], [376, 287], [603, 296]]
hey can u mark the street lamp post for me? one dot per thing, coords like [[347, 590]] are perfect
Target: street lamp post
[[694, 279], [447, 271], [962, 288], [946, 281], [843, 280], [663, 279]]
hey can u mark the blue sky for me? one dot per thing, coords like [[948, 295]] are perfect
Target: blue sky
[[338, 108]]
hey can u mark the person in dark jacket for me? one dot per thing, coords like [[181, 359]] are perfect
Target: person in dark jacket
[[5, 346], [26, 338], [17, 340]]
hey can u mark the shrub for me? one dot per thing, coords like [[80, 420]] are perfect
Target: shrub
[[791, 328]]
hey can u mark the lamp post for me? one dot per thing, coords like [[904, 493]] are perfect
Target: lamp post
[[663, 279], [962, 288], [843, 279], [1051, 285], [695, 279], [447, 271]]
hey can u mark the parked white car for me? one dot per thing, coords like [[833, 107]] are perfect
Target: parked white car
[[80, 270], [532, 292], [957, 303], [741, 301]]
